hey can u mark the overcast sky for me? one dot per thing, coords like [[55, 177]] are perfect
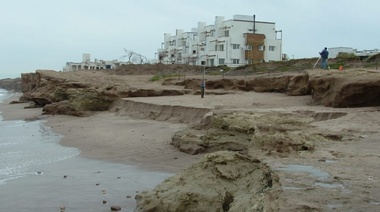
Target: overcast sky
[[45, 34]]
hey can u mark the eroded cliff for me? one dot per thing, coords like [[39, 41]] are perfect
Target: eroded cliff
[[79, 93]]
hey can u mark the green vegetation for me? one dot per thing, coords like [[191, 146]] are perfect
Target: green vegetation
[[60, 94], [88, 100], [163, 76], [344, 59]]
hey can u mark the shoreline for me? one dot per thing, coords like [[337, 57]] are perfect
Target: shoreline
[[108, 137], [97, 178]]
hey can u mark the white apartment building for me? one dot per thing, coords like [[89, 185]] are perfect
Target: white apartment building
[[235, 42]]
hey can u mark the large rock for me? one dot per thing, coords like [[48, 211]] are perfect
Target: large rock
[[222, 181], [275, 133]]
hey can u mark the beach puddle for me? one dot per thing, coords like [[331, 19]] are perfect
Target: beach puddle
[[328, 185], [321, 175], [334, 205], [290, 188]]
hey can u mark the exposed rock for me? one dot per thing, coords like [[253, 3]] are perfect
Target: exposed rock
[[222, 181], [67, 93], [274, 132], [115, 208], [11, 84]]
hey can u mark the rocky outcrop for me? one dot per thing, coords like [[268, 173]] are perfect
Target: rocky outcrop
[[274, 133], [13, 85], [80, 93], [222, 181]]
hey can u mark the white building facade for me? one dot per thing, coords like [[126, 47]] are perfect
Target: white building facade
[[235, 42], [87, 64], [334, 52]]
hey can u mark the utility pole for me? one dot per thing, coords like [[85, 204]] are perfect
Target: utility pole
[[203, 83], [254, 24]]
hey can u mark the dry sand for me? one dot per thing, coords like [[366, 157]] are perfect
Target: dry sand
[[341, 176]]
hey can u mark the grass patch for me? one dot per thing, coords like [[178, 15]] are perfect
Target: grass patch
[[163, 76]]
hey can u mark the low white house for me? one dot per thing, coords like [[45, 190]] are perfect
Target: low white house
[[238, 41], [333, 52], [87, 64]]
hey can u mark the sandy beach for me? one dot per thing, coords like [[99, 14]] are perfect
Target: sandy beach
[[119, 157], [109, 137], [339, 175]]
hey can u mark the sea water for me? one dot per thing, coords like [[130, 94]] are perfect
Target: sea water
[[38, 174], [25, 146]]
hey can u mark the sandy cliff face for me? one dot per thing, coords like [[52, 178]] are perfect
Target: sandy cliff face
[[13, 85], [359, 88], [79, 93]]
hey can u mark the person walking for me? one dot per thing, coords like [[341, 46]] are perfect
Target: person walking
[[324, 55]]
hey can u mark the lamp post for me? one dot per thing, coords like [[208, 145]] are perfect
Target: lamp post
[[203, 83]]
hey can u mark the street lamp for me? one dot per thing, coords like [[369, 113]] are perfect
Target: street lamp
[[203, 83]]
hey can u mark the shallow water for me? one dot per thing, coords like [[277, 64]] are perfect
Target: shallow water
[[26, 146], [321, 175]]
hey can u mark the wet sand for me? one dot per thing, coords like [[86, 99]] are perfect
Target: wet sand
[[119, 156]]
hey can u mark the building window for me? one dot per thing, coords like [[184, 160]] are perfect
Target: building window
[[249, 47], [221, 61], [235, 61], [261, 48], [227, 33], [271, 48], [235, 46], [220, 48]]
